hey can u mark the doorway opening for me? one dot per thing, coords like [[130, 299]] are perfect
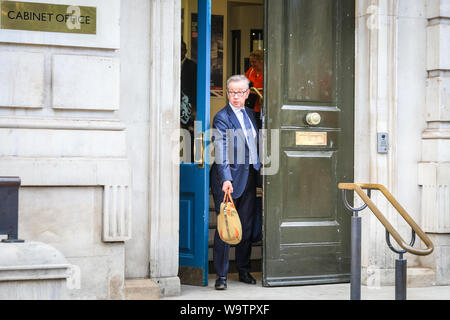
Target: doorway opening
[[236, 30], [309, 54]]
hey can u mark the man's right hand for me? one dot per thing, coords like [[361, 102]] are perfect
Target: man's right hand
[[227, 186]]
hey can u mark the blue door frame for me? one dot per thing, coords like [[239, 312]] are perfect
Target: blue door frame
[[194, 177]]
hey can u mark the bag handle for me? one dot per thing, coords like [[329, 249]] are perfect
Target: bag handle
[[228, 197]]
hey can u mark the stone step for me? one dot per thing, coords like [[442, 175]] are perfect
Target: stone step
[[418, 277], [141, 289]]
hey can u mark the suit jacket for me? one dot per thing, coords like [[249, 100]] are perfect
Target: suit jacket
[[189, 88], [189, 80], [231, 152]]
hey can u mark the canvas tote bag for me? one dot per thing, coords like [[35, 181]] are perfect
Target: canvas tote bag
[[228, 222]]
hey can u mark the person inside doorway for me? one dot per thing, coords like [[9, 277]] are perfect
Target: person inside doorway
[[255, 75], [188, 103], [237, 122]]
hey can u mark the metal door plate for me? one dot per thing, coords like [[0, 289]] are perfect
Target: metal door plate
[[310, 138]]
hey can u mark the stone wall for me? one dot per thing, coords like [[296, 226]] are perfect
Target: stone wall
[[434, 168], [390, 97], [61, 134]]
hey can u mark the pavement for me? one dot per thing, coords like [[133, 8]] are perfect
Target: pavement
[[240, 291]]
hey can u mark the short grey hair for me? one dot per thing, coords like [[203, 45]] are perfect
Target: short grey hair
[[238, 78]]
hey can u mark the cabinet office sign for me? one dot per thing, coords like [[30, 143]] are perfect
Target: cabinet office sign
[[32, 16]]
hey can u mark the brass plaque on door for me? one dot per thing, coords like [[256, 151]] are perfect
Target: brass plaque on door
[[48, 17], [310, 138]]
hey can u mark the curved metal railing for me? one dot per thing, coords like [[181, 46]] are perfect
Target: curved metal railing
[[408, 247], [400, 263]]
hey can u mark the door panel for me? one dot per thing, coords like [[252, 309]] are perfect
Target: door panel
[[310, 30], [194, 177], [304, 201], [309, 68], [187, 215]]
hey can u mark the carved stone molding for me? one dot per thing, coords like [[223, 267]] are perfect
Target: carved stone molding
[[116, 213], [61, 123], [434, 178]]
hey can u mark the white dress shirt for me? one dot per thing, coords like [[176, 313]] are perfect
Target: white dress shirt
[[252, 146], [240, 117]]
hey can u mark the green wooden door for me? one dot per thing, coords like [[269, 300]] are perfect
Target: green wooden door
[[309, 69]]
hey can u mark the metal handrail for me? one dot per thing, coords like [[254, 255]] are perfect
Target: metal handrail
[[357, 187]]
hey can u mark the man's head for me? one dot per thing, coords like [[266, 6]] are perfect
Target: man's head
[[237, 90]]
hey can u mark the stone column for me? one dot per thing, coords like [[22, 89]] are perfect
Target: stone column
[[389, 97], [434, 170], [375, 111], [165, 39]]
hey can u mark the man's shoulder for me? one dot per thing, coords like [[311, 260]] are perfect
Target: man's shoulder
[[222, 114], [223, 111]]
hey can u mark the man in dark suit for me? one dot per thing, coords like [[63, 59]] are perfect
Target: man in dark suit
[[235, 169]]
